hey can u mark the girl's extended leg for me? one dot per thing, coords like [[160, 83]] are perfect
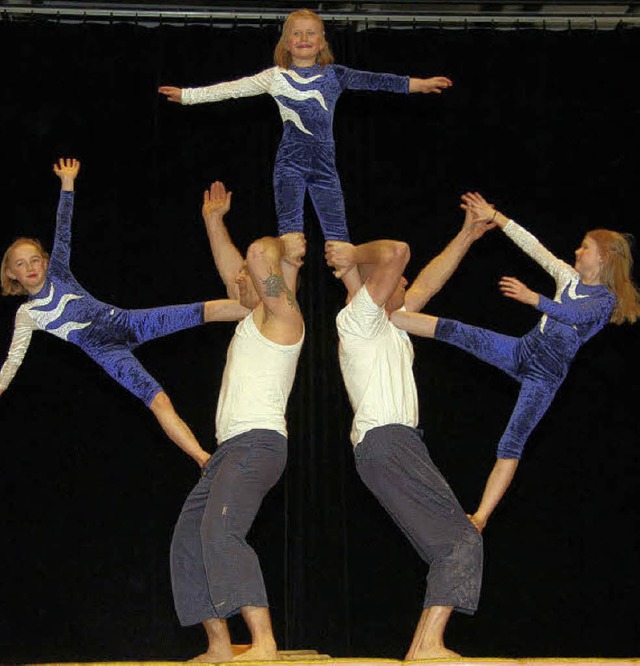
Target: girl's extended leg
[[120, 363], [499, 480], [533, 401], [176, 429], [497, 349]]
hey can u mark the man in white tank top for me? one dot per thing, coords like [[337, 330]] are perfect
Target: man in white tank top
[[376, 360], [215, 573]]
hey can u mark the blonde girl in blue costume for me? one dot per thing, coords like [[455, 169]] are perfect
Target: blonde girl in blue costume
[[56, 303], [596, 291], [306, 85]]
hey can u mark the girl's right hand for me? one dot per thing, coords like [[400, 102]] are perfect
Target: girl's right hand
[[171, 93]]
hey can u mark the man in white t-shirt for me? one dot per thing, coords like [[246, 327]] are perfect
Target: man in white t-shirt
[[215, 573], [376, 361]]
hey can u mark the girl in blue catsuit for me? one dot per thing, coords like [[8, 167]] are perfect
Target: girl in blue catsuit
[[59, 305], [598, 290], [306, 86]]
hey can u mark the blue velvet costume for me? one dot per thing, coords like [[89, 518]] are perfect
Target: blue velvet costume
[[540, 359], [306, 159], [106, 333]]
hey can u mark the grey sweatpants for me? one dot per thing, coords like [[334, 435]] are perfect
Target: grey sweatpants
[[214, 571], [395, 465]]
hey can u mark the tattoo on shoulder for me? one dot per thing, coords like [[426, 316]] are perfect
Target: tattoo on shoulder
[[275, 285]]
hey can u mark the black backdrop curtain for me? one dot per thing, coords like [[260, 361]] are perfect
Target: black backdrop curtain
[[543, 123]]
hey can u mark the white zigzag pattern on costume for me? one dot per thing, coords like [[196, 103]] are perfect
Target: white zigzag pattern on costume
[[64, 330], [283, 88], [43, 319], [289, 114]]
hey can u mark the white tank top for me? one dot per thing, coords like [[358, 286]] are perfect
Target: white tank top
[[256, 383]]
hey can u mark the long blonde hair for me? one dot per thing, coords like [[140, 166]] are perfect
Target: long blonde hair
[[13, 287], [282, 56], [615, 274]]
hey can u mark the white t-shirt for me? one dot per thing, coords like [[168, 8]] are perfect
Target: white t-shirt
[[256, 383], [376, 360]]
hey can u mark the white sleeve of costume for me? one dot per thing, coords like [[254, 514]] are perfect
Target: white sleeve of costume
[[22, 332], [248, 86], [526, 241]]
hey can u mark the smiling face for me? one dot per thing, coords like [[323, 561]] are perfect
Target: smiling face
[[589, 261], [27, 265], [305, 41]]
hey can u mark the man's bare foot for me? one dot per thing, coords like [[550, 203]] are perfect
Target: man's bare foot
[[258, 653], [434, 652], [213, 657], [478, 523]]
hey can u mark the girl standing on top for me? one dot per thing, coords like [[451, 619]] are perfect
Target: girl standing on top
[[306, 86]]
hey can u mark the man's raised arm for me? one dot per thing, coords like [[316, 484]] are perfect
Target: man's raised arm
[[436, 273], [229, 262]]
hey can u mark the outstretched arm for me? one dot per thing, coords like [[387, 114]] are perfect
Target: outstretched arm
[[382, 263], [67, 170], [526, 241], [436, 273], [229, 262], [247, 86]]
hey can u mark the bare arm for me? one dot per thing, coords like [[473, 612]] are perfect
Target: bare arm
[[416, 323], [483, 210], [436, 273], [383, 262], [273, 264], [229, 262], [224, 309]]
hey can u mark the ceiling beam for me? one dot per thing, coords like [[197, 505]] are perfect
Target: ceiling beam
[[393, 14]]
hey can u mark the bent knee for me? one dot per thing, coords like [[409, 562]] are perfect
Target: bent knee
[[160, 402]]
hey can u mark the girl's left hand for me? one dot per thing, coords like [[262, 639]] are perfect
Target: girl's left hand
[[435, 84], [512, 288]]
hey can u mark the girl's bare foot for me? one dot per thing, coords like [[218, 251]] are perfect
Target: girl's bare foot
[[478, 523]]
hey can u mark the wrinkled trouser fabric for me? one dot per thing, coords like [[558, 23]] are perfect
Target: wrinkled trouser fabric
[[214, 571], [395, 465]]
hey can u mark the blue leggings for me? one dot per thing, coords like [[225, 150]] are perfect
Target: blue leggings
[[524, 359], [111, 341], [302, 167]]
